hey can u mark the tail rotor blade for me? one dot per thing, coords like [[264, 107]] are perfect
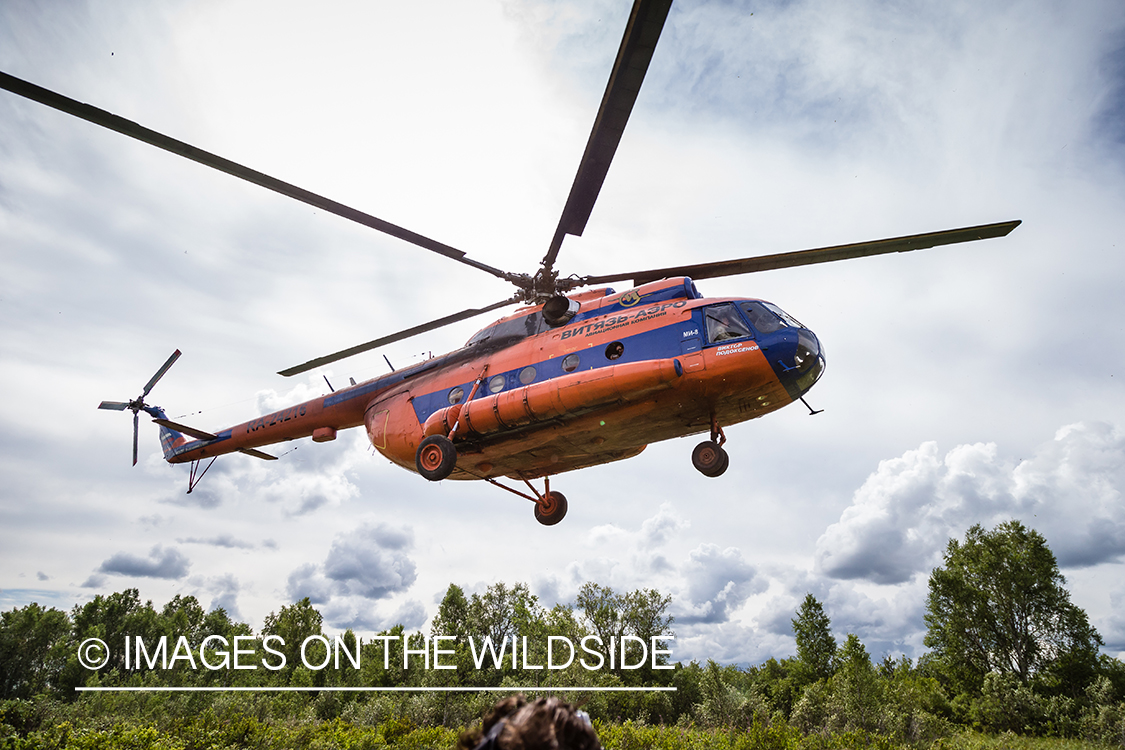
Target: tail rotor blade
[[136, 424], [113, 405], [160, 373]]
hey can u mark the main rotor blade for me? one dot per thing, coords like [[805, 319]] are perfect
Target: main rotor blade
[[113, 405], [405, 334], [136, 427], [633, 57], [141, 133], [160, 373], [816, 255]]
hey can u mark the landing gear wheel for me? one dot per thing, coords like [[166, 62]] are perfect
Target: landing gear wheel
[[436, 458], [710, 459], [551, 508]]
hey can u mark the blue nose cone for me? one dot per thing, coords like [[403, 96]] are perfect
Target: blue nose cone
[[796, 357]]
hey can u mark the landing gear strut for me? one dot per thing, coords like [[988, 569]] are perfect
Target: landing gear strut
[[709, 458], [550, 506]]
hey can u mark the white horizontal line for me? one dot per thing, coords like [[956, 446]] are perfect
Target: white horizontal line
[[528, 688]]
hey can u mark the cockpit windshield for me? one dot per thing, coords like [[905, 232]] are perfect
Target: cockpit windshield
[[510, 331], [789, 319], [767, 317]]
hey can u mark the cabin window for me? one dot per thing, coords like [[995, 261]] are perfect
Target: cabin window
[[496, 384], [456, 394], [570, 363], [724, 322], [527, 375], [614, 350]]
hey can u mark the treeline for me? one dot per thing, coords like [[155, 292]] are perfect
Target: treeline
[[1008, 652], [502, 636]]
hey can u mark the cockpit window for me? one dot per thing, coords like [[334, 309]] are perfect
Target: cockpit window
[[789, 319], [511, 330], [762, 317], [724, 322]]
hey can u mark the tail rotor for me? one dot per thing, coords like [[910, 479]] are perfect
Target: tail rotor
[[138, 404]]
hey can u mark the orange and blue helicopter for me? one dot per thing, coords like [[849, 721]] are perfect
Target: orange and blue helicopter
[[569, 380]]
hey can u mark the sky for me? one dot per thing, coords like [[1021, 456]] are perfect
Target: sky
[[965, 385]]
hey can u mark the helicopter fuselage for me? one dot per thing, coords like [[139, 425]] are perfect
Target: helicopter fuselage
[[524, 399]]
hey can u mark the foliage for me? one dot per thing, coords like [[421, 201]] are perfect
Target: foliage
[[999, 605], [816, 648], [33, 650], [827, 696]]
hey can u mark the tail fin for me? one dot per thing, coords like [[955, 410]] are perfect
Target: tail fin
[[170, 440]]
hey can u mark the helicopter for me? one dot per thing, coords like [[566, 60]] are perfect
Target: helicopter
[[579, 374]]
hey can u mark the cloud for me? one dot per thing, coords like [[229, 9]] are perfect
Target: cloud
[[906, 511], [362, 615], [1113, 632], [306, 581], [223, 540], [368, 564], [206, 498], [718, 582], [225, 590], [657, 530], [161, 563], [305, 489], [95, 581], [371, 561], [1074, 485]]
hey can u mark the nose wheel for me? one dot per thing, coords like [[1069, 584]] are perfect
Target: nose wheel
[[708, 457]]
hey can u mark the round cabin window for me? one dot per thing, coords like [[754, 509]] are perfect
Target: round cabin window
[[570, 363], [527, 375], [456, 395], [614, 350], [496, 384]]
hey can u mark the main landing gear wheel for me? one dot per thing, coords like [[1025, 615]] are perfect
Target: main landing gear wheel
[[436, 458], [710, 459], [550, 508]]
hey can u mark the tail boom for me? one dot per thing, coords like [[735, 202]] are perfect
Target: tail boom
[[318, 418]]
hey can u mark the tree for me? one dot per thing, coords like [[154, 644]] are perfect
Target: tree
[[500, 612], [111, 618], [646, 615], [452, 615], [601, 611], [856, 687], [183, 616], [33, 650], [999, 605], [294, 624], [816, 647], [641, 613]]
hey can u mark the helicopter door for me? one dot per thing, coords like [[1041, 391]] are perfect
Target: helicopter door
[[691, 349]]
